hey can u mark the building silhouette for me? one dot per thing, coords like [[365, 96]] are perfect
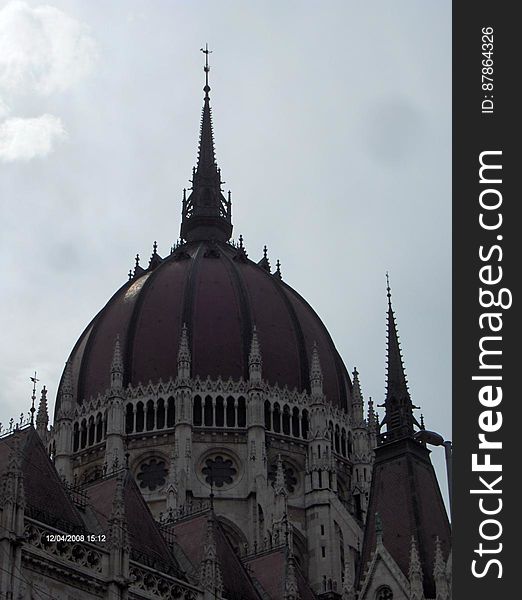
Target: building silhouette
[[208, 442]]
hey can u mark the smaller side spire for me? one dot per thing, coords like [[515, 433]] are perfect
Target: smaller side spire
[[415, 573], [277, 272], [291, 589], [117, 366], [378, 528], [439, 574], [255, 362], [264, 263], [357, 402], [42, 416], [210, 577], [13, 481], [316, 374], [66, 392], [348, 583], [118, 537], [279, 483], [184, 358], [155, 258], [399, 417]]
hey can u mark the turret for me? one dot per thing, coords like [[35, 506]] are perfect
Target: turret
[[42, 416], [415, 574], [210, 577], [63, 427], [115, 442]]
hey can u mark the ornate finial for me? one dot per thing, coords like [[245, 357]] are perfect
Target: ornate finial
[[439, 573], [116, 365], [378, 527], [388, 289], [279, 483], [42, 417], [316, 373], [422, 422], [130, 274], [184, 359], [277, 272], [264, 263], [33, 397], [206, 68], [255, 361], [154, 247], [415, 573], [357, 396], [137, 261]]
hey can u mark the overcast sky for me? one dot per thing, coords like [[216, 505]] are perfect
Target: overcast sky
[[333, 130]]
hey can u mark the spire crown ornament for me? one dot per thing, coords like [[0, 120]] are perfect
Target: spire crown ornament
[[206, 213]]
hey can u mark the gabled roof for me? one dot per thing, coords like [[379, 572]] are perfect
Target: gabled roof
[[45, 495], [190, 535], [383, 568], [406, 495], [269, 570], [145, 537]]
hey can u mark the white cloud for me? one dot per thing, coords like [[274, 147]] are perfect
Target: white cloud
[[4, 109], [23, 139], [42, 49]]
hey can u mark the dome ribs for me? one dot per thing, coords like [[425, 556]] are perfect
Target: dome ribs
[[244, 311], [304, 375], [187, 310], [94, 327], [219, 299], [341, 374]]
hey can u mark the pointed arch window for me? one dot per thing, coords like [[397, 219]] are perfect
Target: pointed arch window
[[129, 418], [197, 412], [160, 414], [241, 412], [171, 412]]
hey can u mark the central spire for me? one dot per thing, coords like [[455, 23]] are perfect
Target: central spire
[[206, 213]]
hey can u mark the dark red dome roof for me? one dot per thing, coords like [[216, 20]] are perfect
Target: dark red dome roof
[[220, 295]]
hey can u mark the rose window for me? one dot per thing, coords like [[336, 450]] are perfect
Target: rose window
[[219, 471], [290, 477], [384, 593], [152, 474]]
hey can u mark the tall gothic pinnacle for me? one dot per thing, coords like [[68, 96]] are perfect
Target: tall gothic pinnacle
[[210, 577], [255, 361], [117, 533], [42, 416], [279, 484], [357, 402], [415, 573], [184, 360], [399, 417], [206, 213], [316, 373], [117, 366]]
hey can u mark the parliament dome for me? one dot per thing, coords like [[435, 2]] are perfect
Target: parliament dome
[[220, 295], [208, 284]]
